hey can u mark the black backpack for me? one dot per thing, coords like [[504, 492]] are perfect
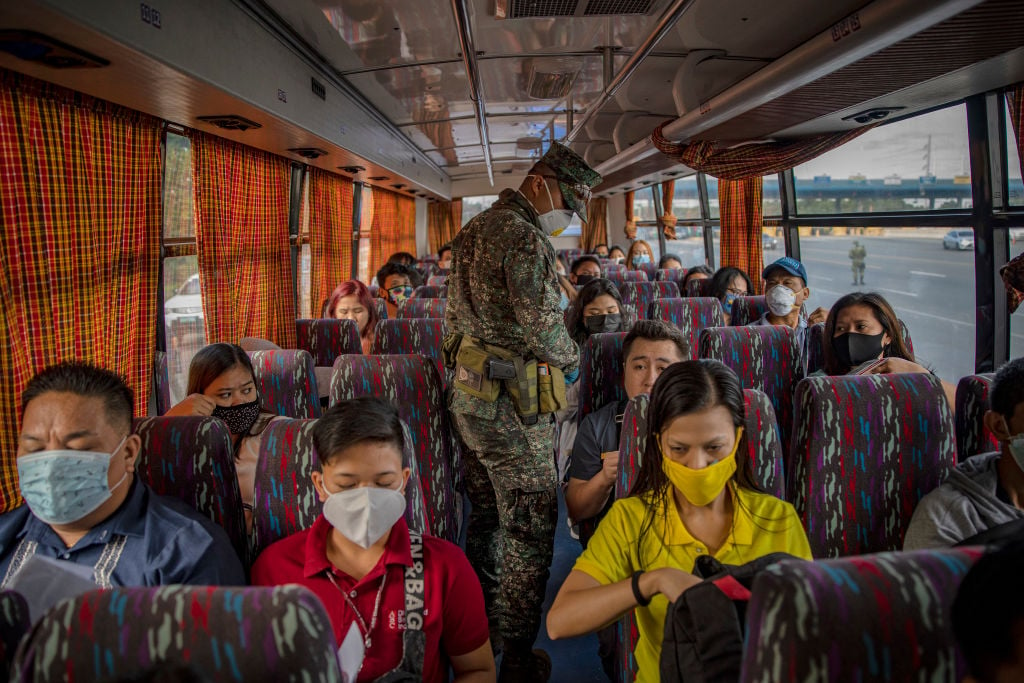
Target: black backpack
[[704, 628]]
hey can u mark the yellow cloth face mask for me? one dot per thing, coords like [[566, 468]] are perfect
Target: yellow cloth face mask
[[702, 486]]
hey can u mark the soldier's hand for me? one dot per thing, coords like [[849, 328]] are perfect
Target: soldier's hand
[[671, 582], [610, 466]]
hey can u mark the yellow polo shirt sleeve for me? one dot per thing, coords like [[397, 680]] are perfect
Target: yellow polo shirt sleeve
[[611, 553]]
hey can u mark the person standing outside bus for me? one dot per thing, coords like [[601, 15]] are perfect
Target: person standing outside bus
[[503, 312], [857, 255]]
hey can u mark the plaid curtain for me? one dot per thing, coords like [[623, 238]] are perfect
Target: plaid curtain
[[740, 206], [330, 234], [668, 219], [596, 231], [393, 227], [79, 260], [241, 212], [444, 220], [630, 228]]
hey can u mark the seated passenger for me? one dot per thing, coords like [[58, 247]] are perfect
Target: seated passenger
[[649, 348], [785, 289], [639, 255], [356, 555], [601, 250], [396, 283], [76, 469], [669, 262], [402, 257], [221, 384], [616, 254], [701, 272], [352, 301], [986, 490], [728, 284], [444, 256], [862, 329], [584, 269], [692, 496]]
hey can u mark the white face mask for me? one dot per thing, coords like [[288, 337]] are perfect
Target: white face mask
[[555, 221], [365, 513], [781, 299], [1016, 446]]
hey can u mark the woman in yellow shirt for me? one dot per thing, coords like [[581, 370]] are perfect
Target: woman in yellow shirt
[[691, 497]]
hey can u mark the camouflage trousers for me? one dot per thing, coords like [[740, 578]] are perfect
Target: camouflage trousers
[[511, 531]]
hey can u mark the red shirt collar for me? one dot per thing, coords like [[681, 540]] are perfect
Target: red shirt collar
[[397, 550]]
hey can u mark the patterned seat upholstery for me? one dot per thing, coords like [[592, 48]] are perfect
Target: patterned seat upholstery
[[865, 449], [430, 292], [570, 255], [286, 381], [161, 383], [411, 382], [422, 308], [328, 338], [640, 295], [286, 501], [972, 436], [763, 443], [601, 370], [610, 267], [748, 309], [14, 624], [764, 357], [698, 287], [668, 275], [411, 336], [883, 617], [226, 634], [816, 341], [649, 268], [437, 280], [617, 277], [690, 315], [382, 308], [192, 459]]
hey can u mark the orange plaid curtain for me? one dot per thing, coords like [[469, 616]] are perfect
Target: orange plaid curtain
[[330, 232], [79, 261], [595, 231], [668, 219], [740, 207], [444, 220], [393, 227], [241, 212], [630, 228]]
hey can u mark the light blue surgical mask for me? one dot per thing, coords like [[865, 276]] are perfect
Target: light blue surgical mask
[[640, 259], [563, 302], [730, 299], [62, 487]]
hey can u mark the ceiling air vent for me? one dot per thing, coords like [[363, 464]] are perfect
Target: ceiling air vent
[[551, 78], [318, 89], [872, 115], [378, 178], [230, 122], [352, 170], [42, 49], [525, 9], [308, 152]]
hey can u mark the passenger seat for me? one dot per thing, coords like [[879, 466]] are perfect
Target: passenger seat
[[972, 436], [640, 295], [690, 315]]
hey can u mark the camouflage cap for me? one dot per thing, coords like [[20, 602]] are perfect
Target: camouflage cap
[[575, 177]]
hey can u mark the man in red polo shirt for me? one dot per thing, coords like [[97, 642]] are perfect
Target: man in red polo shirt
[[358, 556]]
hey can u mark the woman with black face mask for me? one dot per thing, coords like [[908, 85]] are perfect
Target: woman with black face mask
[[221, 384], [863, 336]]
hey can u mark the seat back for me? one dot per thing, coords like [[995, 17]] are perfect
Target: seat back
[[422, 308], [192, 459], [570, 255], [816, 345], [413, 336], [668, 275], [328, 338], [649, 268], [764, 357], [972, 436], [250, 344], [382, 308], [286, 382], [161, 383], [748, 309], [611, 267], [763, 443], [227, 634], [865, 450], [640, 295], [871, 618], [699, 287], [411, 382], [690, 315], [14, 624], [430, 292], [286, 501], [601, 371], [437, 280]]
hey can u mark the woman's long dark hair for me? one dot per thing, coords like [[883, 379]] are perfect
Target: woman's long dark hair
[[897, 346], [213, 360], [593, 289], [722, 280]]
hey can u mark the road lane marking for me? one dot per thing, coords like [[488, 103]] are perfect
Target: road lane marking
[[936, 317], [897, 291], [926, 274]]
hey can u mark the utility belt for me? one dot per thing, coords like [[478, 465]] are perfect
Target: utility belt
[[482, 369]]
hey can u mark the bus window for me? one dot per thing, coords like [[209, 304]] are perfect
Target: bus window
[[1017, 319], [471, 206], [1013, 173], [179, 222], [713, 198], [930, 286], [771, 201], [303, 277]]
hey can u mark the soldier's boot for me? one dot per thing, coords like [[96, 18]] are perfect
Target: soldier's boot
[[521, 664]]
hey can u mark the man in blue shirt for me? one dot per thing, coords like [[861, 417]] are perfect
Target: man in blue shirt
[[785, 291], [76, 468]]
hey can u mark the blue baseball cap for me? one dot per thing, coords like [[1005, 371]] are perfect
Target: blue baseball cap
[[788, 264]]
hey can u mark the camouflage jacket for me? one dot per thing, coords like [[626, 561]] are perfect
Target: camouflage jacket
[[502, 287]]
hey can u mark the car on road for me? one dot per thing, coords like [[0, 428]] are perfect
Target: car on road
[[186, 306], [958, 239], [769, 242]]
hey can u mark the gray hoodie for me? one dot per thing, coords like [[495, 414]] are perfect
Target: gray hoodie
[[965, 505]]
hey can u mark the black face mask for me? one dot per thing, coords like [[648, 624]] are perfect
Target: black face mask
[[239, 418], [603, 323], [852, 348], [584, 279]]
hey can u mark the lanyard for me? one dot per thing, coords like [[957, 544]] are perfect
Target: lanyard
[[367, 630]]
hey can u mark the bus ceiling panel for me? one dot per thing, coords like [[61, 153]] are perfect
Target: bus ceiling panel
[[415, 93], [534, 83], [218, 58], [360, 34]]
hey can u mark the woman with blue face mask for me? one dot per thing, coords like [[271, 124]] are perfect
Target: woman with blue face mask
[[221, 384], [727, 285], [639, 256]]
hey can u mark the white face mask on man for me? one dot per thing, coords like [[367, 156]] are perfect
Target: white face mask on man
[[552, 222], [365, 513], [781, 299]]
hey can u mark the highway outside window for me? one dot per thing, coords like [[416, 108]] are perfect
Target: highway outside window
[[471, 206], [926, 274], [1013, 170], [712, 197]]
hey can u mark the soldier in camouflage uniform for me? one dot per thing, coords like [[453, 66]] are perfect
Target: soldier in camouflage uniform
[[502, 289]]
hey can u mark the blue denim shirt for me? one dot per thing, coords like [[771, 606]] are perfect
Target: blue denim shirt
[[150, 540]]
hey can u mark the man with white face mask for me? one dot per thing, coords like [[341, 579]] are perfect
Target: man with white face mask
[[983, 491], [785, 289], [76, 468], [360, 555]]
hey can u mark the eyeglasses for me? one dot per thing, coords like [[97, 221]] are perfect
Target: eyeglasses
[[737, 292]]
